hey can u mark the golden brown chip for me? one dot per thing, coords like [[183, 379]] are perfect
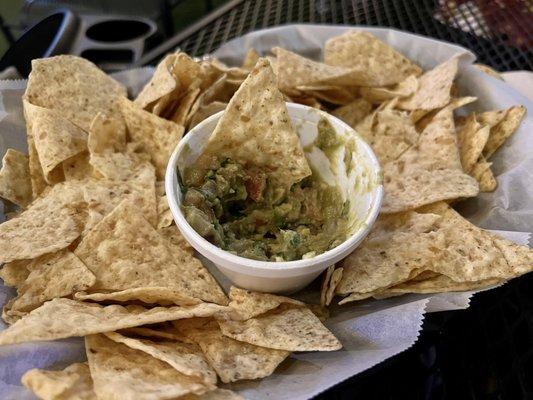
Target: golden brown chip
[[231, 359], [119, 369], [184, 358], [54, 275], [331, 94], [162, 83], [434, 88], [250, 304], [74, 87], [489, 71], [38, 183], [175, 238], [376, 63], [164, 330], [288, 327], [163, 296], [217, 394], [251, 58], [56, 139], [504, 129], [77, 167], [378, 95], [15, 181], [185, 103], [206, 111], [154, 135], [325, 284], [63, 318], [72, 383], [125, 252], [472, 138], [15, 273]]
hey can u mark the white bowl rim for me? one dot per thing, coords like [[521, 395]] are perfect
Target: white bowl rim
[[172, 185]]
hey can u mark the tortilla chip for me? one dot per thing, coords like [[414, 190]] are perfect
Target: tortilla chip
[[434, 88], [428, 172], [185, 103], [331, 94], [15, 273], [54, 275], [392, 134], [491, 118], [334, 281], [175, 238], [250, 59], [377, 63], [483, 174], [72, 383], [74, 87], [472, 138], [63, 318], [288, 327], [56, 138], [162, 83], [325, 284], [231, 359], [378, 95], [154, 135], [428, 116], [163, 296], [164, 330], [184, 358], [118, 369], [503, 130], [354, 112], [15, 181], [206, 111], [48, 225], [77, 167], [489, 71], [125, 252], [217, 394], [38, 183], [256, 129], [248, 304]]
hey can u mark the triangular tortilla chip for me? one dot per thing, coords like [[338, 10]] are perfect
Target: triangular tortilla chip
[[74, 87], [329, 286], [15, 181], [184, 106], [119, 369], [377, 63], [156, 136], [56, 138], [288, 327], [378, 95], [483, 174], [15, 273], [256, 129], [504, 129], [491, 118], [77, 167], [175, 238], [184, 358], [162, 83], [472, 138], [54, 275], [63, 318], [231, 359], [354, 112], [250, 59], [48, 225], [434, 88], [125, 252], [163, 296], [428, 172], [72, 383], [249, 304]]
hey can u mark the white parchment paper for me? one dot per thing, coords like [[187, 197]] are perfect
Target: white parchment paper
[[371, 331]]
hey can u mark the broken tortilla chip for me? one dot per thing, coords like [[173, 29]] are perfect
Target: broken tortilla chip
[[15, 181]]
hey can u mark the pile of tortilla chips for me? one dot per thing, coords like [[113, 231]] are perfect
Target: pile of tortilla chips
[[93, 251]]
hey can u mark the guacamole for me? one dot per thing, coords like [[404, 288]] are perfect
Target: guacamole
[[237, 208]]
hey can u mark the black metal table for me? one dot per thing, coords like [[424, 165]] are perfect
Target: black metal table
[[485, 352]]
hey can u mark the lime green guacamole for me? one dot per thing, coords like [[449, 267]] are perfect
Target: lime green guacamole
[[238, 209]]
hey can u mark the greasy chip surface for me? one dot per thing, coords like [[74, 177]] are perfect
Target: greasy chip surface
[[62, 318], [74, 87], [117, 368]]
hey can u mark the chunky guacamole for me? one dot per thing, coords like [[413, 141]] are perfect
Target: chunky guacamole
[[240, 210]]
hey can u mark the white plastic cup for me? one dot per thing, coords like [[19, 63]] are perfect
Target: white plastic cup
[[287, 276]]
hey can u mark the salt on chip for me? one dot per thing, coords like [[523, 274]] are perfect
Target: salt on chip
[[250, 304], [72, 383], [378, 95], [156, 136], [53, 275], [15, 181], [256, 128], [119, 369], [504, 129], [288, 327], [73, 87], [125, 252], [231, 359], [56, 138], [428, 172], [46, 226], [184, 358], [434, 88], [377, 63], [63, 318]]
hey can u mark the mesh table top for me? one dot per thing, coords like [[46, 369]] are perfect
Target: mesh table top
[[485, 352]]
